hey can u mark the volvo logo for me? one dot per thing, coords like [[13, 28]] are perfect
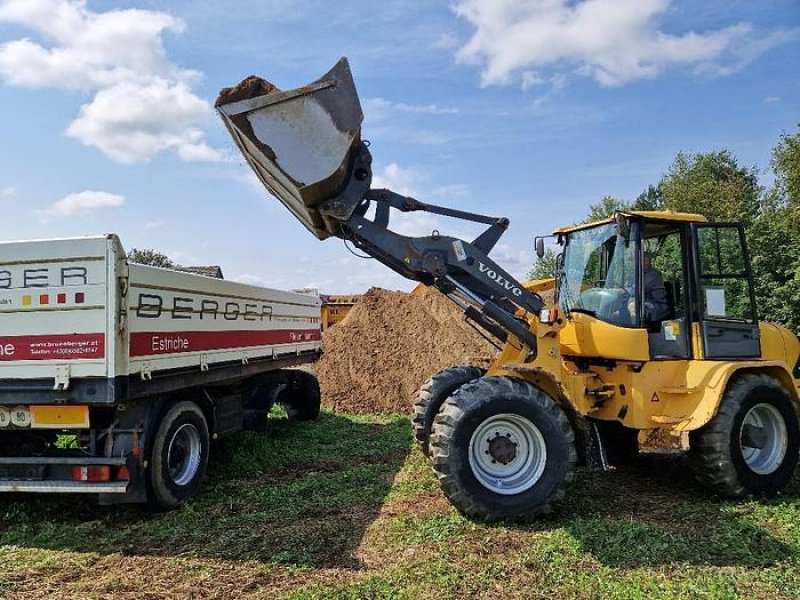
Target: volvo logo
[[499, 279]]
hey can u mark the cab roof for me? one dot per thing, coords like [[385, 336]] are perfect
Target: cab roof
[[647, 215]]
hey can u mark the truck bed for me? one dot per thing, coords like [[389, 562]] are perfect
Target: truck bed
[[80, 324], [137, 368]]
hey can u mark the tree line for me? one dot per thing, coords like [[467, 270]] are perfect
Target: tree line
[[715, 185]]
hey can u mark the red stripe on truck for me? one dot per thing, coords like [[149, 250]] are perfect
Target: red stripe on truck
[[178, 342], [52, 347]]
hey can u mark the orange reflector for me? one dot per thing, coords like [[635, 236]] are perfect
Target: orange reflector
[[548, 316], [59, 417], [91, 473]]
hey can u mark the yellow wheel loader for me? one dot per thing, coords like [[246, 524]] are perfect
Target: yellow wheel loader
[[654, 328]]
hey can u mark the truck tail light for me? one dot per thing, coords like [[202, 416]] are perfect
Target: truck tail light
[[91, 473], [123, 474]]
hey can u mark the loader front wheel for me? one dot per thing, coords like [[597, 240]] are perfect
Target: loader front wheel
[[502, 449], [431, 396], [751, 446]]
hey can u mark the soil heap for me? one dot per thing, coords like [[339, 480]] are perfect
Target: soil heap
[[250, 87], [388, 345]]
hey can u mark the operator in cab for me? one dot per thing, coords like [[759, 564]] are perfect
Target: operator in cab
[[656, 306]]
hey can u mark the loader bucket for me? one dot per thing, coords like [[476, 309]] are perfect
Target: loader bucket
[[298, 142]]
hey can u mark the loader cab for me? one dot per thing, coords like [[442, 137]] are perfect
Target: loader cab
[[685, 282]]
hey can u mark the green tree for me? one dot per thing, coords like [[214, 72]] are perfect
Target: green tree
[[786, 166], [147, 256], [650, 199], [712, 184], [607, 206], [544, 267], [774, 238]]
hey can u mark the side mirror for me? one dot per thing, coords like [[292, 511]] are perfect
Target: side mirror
[[622, 225], [539, 242]]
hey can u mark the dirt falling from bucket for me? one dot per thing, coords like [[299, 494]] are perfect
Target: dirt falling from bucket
[[388, 345], [251, 87]]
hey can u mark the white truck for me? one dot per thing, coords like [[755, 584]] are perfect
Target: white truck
[[115, 376]]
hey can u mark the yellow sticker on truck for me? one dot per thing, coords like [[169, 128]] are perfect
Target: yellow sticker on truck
[[60, 417]]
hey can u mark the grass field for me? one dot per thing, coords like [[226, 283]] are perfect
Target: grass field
[[348, 508]]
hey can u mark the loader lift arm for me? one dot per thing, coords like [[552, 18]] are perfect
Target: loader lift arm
[[459, 269], [305, 146]]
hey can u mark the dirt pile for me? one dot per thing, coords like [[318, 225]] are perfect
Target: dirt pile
[[388, 345], [251, 87]]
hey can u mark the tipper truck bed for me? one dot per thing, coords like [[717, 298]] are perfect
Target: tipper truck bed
[[115, 376]]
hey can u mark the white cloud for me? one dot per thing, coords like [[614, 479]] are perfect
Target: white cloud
[[381, 105], [515, 261], [409, 182], [398, 179], [446, 41], [132, 122], [155, 224], [142, 104], [8, 192], [613, 41], [405, 182], [391, 122], [80, 204]]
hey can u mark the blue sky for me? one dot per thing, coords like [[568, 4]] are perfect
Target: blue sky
[[530, 109]]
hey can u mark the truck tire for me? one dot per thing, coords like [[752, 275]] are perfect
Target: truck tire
[[430, 397], [301, 396], [751, 446], [502, 449], [178, 456]]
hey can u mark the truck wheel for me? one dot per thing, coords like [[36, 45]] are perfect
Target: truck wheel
[[751, 446], [502, 449], [178, 457], [301, 396], [430, 397]]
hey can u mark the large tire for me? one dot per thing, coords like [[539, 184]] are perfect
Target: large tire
[[502, 449], [751, 446], [178, 456], [430, 397], [301, 396]]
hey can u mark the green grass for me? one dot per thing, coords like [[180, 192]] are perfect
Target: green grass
[[347, 507]]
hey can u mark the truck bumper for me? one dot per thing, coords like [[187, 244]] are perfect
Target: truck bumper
[[55, 475]]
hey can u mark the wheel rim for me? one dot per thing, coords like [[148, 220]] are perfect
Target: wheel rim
[[184, 454], [507, 454], [763, 439]]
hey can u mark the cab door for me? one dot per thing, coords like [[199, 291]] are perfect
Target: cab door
[[723, 292]]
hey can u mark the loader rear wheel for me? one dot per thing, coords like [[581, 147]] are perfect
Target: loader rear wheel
[[502, 449], [301, 396], [178, 456], [751, 446], [431, 396]]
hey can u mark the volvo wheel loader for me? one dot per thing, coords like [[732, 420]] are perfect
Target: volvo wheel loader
[[577, 380]]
